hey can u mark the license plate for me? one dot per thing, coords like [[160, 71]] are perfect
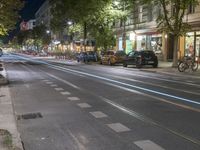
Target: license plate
[[150, 62]]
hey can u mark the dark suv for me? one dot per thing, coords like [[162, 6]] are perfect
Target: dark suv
[[141, 58]]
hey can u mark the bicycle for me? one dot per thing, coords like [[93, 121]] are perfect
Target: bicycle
[[187, 63]]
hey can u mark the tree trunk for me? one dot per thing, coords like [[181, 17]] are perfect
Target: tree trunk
[[85, 36], [175, 52]]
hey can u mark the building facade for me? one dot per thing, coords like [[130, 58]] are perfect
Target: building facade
[[140, 32], [29, 25], [43, 15]]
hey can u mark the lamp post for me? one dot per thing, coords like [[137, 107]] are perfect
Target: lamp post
[[49, 33], [69, 36]]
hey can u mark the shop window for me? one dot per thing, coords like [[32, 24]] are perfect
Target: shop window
[[156, 43], [189, 44]]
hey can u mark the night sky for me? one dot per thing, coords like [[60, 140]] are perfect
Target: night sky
[[27, 13], [31, 6]]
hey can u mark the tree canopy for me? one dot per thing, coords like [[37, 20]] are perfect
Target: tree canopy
[[95, 17], [172, 20], [9, 14]]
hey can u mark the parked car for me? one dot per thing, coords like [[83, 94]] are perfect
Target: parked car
[[1, 52], [112, 57], [86, 56], [92, 56], [141, 58], [82, 56]]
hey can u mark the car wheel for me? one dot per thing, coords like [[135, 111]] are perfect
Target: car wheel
[[155, 65], [124, 65]]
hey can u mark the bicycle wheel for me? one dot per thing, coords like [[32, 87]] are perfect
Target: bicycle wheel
[[194, 66], [181, 67]]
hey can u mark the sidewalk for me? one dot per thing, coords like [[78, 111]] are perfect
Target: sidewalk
[[7, 119], [166, 68]]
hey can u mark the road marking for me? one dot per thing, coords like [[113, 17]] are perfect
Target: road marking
[[148, 145], [98, 114], [84, 105], [73, 98], [154, 97], [46, 80], [53, 85], [149, 121], [49, 82], [118, 127], [59, 89], [65, 93], [64, 81], [158, 85], [125, 84]]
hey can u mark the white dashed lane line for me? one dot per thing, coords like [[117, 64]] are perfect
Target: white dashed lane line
[[98, 114], [59, 89], [73, 98], [49, 82], [46, 80], [53, 85], [65, 93], [118, 127], [84, 105], [148, 145]]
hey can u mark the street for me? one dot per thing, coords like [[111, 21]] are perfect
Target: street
[[100, 107]]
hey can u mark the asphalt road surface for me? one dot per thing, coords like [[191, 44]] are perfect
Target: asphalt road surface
[[94, 107]]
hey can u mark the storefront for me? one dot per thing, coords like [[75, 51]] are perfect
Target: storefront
[[150, 42], [129, 43], [192, 44]]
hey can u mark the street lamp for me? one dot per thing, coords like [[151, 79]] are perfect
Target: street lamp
[[48, 31]]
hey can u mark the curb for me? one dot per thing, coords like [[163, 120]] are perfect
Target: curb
[[3, 75], [8, 120]]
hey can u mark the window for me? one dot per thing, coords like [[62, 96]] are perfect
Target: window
[[140, 13], [191, 8], [150, 13]]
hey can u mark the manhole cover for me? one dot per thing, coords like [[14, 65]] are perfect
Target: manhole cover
[[29, 116]]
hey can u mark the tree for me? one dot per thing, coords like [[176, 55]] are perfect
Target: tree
[[172, 20], [92, 15], [37, 37], [9, 14]]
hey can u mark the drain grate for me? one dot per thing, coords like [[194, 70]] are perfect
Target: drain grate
[[29, 116]]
